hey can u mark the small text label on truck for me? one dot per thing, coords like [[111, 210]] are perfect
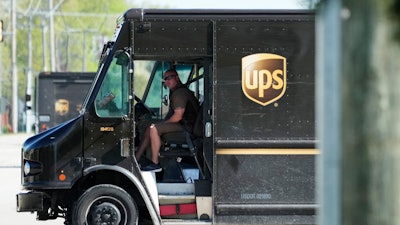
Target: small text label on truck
[[264, 77]]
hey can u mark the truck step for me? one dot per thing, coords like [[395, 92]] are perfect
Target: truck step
[[184, 222], [175, 188], [176, 199]]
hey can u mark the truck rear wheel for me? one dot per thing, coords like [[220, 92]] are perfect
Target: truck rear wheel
[[105, 204]]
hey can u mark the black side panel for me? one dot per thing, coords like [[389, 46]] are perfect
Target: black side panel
[[262, 219], [272, 179], [172, 38], [289, 118], [265, 154]]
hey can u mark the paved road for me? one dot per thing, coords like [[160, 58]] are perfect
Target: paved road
[[10, 182]]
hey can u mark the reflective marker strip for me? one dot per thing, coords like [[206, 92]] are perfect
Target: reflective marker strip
[[267, 151]]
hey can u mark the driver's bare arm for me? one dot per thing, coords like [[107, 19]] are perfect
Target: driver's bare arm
[[107, 99], [177, 116]]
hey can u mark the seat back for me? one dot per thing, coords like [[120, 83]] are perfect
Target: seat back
[[179, 140], [198, 128], [184, 144]]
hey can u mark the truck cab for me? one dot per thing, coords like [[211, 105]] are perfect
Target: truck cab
[[252, 160]]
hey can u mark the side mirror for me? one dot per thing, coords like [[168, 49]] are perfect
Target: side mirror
[[122, 57]]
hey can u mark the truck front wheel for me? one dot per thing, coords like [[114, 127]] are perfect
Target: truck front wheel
[[105, 204]]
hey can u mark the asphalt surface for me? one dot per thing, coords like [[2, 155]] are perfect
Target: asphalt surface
[[10, 182]]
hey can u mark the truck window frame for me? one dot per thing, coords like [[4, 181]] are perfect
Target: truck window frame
[[112, 99]]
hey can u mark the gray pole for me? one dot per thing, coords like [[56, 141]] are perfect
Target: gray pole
[[85, 32], [44, 44], [84, 52], [29, 121], [329, 112], [14, 66], [358, 109], [371, 109], [1, 86], [52, 38]]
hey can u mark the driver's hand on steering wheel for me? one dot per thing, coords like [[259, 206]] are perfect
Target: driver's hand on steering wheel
[[107, 99]]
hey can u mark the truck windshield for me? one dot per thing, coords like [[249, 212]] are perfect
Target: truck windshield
[[112, 98], [149, 86]]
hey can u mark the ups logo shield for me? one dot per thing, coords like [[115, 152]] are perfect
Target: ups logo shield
[[62, 107], [264, 77]]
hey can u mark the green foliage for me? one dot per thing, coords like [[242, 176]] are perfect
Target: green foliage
[[80, 27]]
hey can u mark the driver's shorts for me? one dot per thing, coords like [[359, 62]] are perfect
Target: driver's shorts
[[163, 128]]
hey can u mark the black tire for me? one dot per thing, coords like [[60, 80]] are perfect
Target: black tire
[[105, 204]]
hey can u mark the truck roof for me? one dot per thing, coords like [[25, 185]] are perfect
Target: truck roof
[[140, 13]]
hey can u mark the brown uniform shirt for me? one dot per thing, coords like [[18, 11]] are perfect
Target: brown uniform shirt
[[181, 97]]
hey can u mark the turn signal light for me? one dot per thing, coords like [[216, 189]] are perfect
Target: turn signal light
[[62, 177]]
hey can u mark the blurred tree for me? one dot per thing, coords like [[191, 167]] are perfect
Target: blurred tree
[[80, 27], [370, 133]]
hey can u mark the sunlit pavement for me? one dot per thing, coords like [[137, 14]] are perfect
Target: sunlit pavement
[[10, 147], [10, 182]]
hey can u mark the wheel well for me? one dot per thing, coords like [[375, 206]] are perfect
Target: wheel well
[[115, 178]]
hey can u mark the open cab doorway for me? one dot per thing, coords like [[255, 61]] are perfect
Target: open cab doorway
[[182, 190]]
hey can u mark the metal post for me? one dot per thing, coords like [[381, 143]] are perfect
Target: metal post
[[28, 120], [52, 38], [328, 112], [1, 85], [14, 66], [44, 44], [84, 47], [84, 52]]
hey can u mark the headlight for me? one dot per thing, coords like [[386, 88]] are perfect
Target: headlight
[[32, 168], [27, 168]]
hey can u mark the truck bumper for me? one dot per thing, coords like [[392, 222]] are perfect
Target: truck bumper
[[29, 202]]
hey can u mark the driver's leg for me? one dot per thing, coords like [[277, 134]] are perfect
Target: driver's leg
[[145, 142], [155, 144], [156, 131]]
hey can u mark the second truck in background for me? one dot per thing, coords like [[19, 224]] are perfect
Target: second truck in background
[[59, 97]]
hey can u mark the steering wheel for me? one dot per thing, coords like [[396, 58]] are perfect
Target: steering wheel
[[142, 104]]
